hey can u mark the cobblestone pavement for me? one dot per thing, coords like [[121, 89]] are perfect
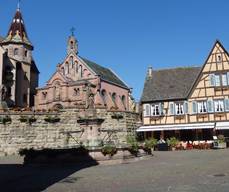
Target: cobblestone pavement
[[178, 171]]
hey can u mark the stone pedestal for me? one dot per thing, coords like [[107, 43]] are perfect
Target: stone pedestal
[[91, 125]]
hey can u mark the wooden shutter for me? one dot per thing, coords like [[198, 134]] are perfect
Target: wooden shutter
[[185, 107], [210, 106], [171, 108], [194, 107], [161, 108], [212, 79], [227, 78], [226, 104], [146, 110]]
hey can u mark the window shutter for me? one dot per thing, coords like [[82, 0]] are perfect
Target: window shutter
[[161, 108], [224, 80], [171, 108], [210, 106], [185, 107], [226, 104], [146, 110], [212, 79], [227, 78], [194, 107]]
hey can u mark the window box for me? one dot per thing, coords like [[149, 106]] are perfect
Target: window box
[[202, 115], [181, 116], [219, 114]]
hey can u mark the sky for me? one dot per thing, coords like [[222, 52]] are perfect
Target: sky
[[127, 36]]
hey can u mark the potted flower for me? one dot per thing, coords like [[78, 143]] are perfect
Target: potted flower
[[149, 145], [221, 142], [173, 142], [133, 145], [109, 150]]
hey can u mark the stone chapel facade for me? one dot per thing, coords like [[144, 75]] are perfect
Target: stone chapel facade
[[78, 82], [18, 70]]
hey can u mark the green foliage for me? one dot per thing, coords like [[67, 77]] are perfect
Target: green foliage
[[109, 150], [5, 119], [172, 142], [150, 143], [133, 144], [27, 119], [52, 119], [221, 138]]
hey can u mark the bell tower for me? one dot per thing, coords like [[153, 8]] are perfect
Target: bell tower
[[72, 43], [20, 74]]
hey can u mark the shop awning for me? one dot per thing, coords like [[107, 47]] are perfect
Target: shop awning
[[176, 127], [222, 125]]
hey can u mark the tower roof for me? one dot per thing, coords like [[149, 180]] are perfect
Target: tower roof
[[17, 32]]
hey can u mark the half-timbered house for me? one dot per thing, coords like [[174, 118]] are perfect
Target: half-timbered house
[[191, 103]]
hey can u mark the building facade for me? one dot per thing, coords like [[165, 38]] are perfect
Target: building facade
[[190, 103], [78, 82], [18, 71]]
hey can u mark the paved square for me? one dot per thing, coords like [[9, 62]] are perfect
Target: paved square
[[180, 171]]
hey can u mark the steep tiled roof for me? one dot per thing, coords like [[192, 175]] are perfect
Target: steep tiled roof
[[17, 32], [169, 84], [105, 73]]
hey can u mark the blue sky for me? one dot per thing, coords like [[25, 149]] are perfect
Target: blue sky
[[124, 35]]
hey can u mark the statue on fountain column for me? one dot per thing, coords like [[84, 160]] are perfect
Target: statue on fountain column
[[3, 95], [90, 98]]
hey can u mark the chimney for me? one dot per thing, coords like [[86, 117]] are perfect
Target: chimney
[[150, 72]]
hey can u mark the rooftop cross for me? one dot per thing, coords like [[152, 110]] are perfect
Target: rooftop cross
[[18, 4], [72, 30]]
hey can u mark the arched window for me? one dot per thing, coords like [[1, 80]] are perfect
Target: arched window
[[62, 69], [72, 45], [84, 72], [56, 90], [76, 64], [26, 53], [66, 68], [76, 92], [71, 61], [80, 71], [114, 98], [103, 94], [123, 98], [16, 51]]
